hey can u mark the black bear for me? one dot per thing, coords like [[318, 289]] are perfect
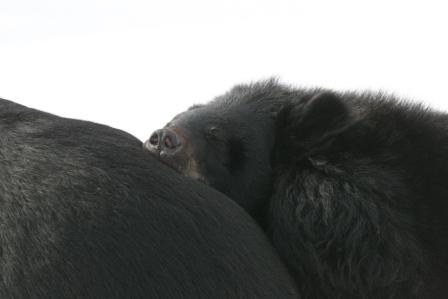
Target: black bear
[[86, 213], [351, 188]]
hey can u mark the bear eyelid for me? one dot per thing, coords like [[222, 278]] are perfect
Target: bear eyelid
[[212, 132]]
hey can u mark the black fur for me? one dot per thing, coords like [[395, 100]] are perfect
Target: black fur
[[350, 187], [85, 213]]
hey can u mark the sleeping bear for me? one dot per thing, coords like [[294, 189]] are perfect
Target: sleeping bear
[[86, 213], [350, 187]]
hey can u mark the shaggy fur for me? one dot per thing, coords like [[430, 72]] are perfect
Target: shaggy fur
[[350, 187], [85, 213]]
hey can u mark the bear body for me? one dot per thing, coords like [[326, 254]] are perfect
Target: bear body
[[350, 187], [86, 213]]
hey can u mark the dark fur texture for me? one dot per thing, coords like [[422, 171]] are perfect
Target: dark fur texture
[[85, 213], [350, 187]]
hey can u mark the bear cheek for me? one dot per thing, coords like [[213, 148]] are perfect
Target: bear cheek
[[190, 163]]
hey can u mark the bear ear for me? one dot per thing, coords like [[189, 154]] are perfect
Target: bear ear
[[324, 113], [318, 119]]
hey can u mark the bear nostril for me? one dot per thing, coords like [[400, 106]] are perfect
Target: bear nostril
[[154, 139], [169, 142]]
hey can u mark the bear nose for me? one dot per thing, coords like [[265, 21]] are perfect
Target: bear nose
[[164, 139]]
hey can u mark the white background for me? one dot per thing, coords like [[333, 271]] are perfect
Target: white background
[[133, 64]]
